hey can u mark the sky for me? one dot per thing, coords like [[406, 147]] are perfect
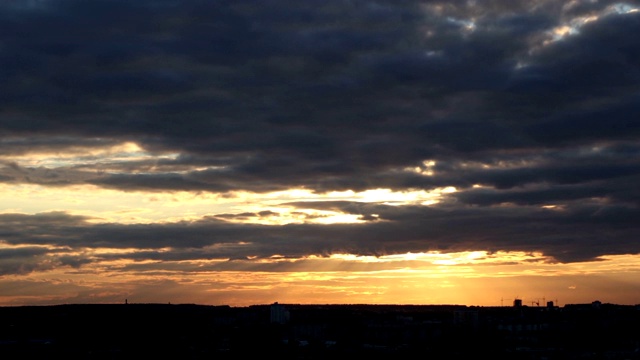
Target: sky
[[315, 152]]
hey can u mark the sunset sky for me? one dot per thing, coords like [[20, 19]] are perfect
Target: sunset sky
[[335, 151]]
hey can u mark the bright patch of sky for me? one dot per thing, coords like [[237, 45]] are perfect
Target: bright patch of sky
[[105, 205], [466, 25], [85, 156], [453, 258], [572, 26]]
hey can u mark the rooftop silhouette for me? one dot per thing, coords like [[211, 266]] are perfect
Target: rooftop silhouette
[[126, 331]]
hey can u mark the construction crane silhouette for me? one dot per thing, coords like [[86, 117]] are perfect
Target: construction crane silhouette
[[502, 299], [517, 300]]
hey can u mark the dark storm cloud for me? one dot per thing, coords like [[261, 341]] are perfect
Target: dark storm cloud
[[312, 82], [542, 196], [337, 95]]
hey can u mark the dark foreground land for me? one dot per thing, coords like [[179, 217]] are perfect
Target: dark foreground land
[[135, 331]]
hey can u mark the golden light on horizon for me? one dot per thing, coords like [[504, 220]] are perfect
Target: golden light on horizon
[[474, 277]]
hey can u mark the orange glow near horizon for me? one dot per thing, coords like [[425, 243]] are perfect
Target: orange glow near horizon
[[469, 278], [109, 275]]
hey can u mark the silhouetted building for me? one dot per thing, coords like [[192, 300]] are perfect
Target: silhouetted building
[[467, 318], [83, 331], [279, 314], [517, 303]]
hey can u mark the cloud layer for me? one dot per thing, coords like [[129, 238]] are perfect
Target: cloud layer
[[529, 109]]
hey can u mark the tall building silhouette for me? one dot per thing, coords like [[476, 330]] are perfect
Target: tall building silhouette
[[279, 314]]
